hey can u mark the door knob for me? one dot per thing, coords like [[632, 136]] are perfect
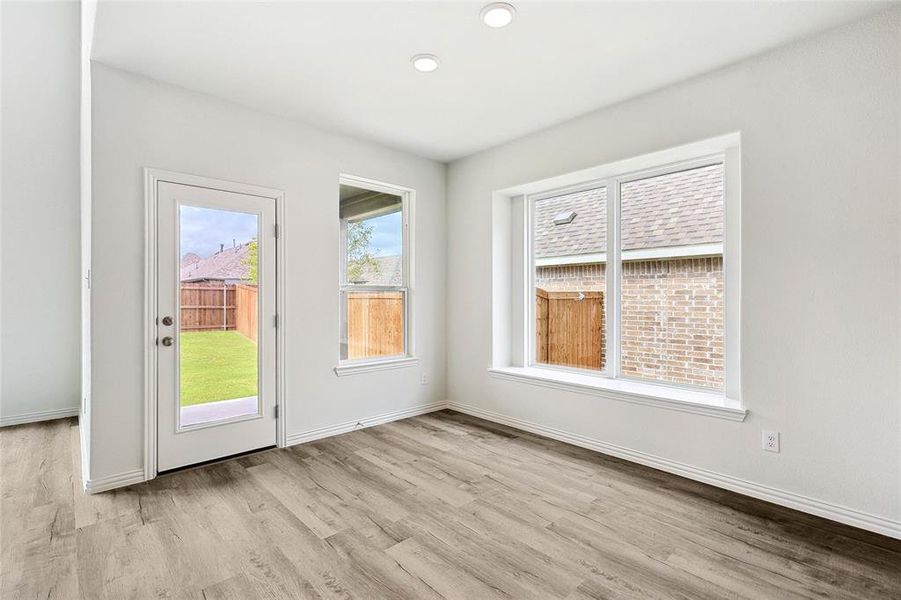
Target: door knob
[[167, 321], [167, 341]]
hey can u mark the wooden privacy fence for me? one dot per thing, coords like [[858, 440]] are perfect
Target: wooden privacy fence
[[375, 320], [212, 306], [569, 328], [246, 310], [207, 306], [375, 324]]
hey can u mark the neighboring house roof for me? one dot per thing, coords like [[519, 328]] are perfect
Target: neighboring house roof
[[680, 209], [189, 259], [227, 264], [389, 270]]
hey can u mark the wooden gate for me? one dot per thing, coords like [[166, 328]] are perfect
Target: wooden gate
[[570, 328]]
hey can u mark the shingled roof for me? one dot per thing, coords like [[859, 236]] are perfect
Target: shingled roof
[[389, 270], [679, 209], [225, 265]]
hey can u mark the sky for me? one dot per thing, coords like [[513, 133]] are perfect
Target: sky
[[387, 235], [203, 229]]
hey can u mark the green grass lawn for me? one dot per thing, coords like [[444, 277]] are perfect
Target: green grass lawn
[[217, 365]]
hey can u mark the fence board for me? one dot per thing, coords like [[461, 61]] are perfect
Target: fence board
[[207, 306], [246, 310], [569, 328], [375, 324], [541, 310]]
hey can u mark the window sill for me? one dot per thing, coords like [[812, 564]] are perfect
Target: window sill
[[356, 368], [647, 394]]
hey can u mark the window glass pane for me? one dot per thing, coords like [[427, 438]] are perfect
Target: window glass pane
[[372, 318], [217, 328], [372, 225], [372, 324], [672, 277], [570, 245]]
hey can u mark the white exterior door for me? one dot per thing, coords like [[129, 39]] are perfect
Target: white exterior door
[[216, 328]]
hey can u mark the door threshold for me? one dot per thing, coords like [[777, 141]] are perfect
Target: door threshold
[[214, 461]]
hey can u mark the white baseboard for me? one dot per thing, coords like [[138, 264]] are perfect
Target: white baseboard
[[330, 430], [41, 415], [842, 514], [92, 486]]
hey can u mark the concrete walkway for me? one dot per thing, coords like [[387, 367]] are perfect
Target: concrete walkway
[[216, 411]]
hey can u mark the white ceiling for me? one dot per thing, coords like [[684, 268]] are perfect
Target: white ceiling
[[345, 66]]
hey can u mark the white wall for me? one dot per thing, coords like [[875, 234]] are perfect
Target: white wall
[[39, 342], [821, 141], [140, 123]]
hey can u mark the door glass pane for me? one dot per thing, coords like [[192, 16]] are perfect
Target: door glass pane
[[218, 329], [672, 277], [570, 245]]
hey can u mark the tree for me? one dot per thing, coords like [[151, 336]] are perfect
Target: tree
[[251, 260], [360, 261]]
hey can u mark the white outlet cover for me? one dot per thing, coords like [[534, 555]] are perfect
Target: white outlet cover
[[770, 441]]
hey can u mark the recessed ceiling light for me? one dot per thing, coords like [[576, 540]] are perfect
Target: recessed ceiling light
[[425, 63], [498, 14]]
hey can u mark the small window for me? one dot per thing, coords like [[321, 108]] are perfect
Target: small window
[[373, 273]]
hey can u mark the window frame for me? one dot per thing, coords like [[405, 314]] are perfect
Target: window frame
[[725, 151], [408, 357]]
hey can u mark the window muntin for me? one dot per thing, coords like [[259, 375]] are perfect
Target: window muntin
[[667, 284], [373, 273]]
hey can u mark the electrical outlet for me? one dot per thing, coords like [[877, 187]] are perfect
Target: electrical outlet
[[424, 379], [771, 441]]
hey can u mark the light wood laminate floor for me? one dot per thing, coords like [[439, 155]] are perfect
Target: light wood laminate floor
[[437, 506]]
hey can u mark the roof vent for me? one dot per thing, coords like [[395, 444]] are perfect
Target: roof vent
[[564, 218]]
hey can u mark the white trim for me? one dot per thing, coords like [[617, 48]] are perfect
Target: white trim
[[634, 392], [613, 281], [806, 504], [355, 368], [103, 484], [281, 315], [152, 177], [663, 252], [85, 454], [732, 271], [639, 166], [41, 415], [332, 430]]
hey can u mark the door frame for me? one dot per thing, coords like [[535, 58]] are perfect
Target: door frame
[[152, 177]]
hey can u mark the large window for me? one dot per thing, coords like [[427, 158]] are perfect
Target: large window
[[627, 276], [374, 288]]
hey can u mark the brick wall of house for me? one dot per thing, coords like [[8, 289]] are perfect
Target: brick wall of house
[[672, 315]]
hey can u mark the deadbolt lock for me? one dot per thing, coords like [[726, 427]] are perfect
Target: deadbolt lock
[[167, 341], [167, 321]]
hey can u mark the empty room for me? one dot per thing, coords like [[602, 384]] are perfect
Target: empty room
[[450, 300]]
